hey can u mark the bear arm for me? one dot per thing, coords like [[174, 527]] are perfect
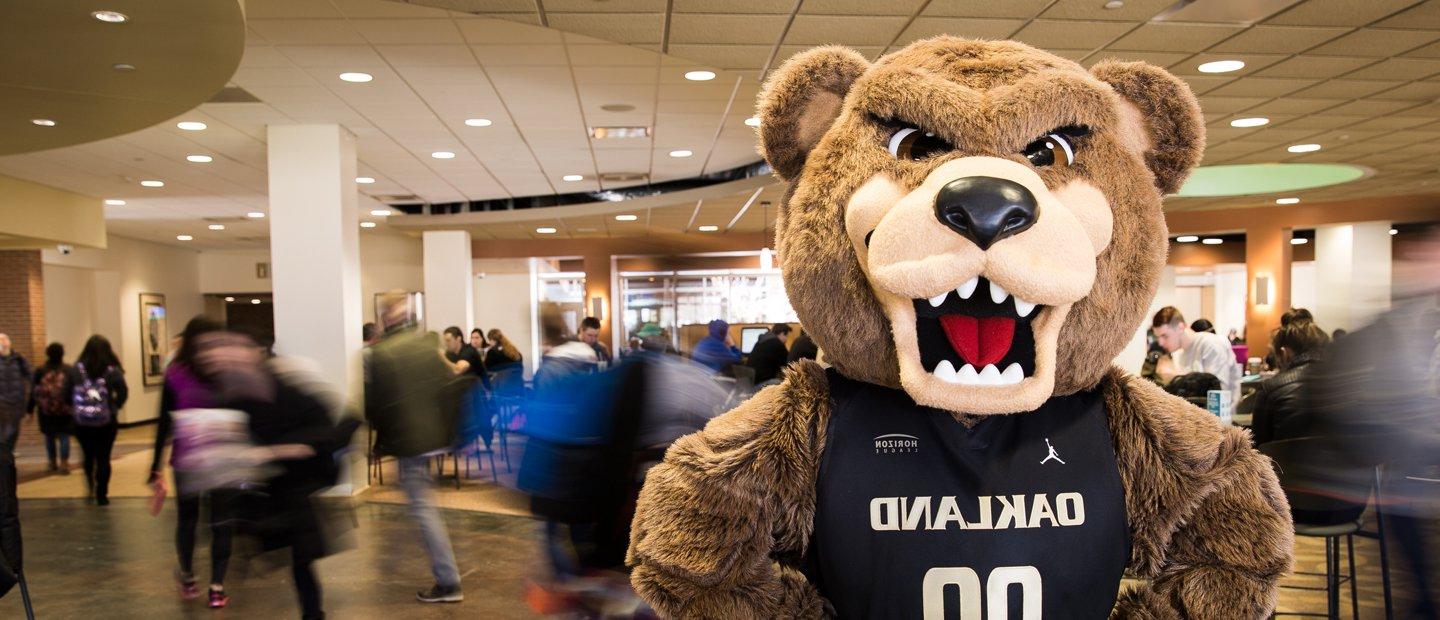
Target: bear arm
[[1209, 523], [720, 522]]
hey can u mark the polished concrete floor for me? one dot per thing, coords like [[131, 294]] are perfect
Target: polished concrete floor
[[115, 562]]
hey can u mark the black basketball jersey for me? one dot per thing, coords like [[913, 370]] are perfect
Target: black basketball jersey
[[1021, 516]]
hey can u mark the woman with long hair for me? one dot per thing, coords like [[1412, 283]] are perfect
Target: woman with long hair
[[50, 398], [100, 392], [477, 340], [502, 351], [185, 388]]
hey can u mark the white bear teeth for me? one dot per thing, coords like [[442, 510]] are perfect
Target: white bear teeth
[[997, 295], [990, 375]]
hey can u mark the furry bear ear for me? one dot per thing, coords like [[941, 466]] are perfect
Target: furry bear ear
[[1161, 119], [800, 102]]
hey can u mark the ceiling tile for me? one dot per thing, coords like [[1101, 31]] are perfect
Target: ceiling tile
[[1345, 89], [1338, 12], [272, 9], [1423, 15], [1397, 69], [1261, 87], [1131, 10], [975, 28], [1314, 67], [1378, 43], [356, 56], [1416, 91], [1278, 39], [408, 31], [608, 6], [517, 54], [361, 9], [1226, 105], [1045, 33], [1253, 63], [1300, 105], [497, 32], [1168, 37], [861, 7], [725, 56], [426, 55], [733, 6], [732, 29], [845, 30], [1429, 51], [611, 55], [1022, 9], [620, 28]]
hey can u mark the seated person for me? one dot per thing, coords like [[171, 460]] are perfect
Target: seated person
[[1194, 351], [769, 355], [1276, 403]]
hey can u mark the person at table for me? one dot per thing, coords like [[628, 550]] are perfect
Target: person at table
[[1276, 402], [717, 350], [1193, 351], [803, 349], [769, 355]]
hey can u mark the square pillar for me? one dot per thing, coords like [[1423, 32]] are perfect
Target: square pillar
[[1267, 282], [1352, 274], [449, 283], [22, 303]]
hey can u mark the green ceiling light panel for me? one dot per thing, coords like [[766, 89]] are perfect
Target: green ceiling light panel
[[1249, 179]]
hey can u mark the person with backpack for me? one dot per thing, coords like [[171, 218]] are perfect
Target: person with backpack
[[50, 399], [99, 393]]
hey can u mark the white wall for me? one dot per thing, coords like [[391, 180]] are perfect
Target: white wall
[[111, 281], [1302, 285], [1230, 296], [388, 261], [1132, 357], [1352, 273], [233, 271], [502, 300]]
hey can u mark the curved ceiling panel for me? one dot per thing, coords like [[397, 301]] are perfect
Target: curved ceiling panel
[[59, 63]]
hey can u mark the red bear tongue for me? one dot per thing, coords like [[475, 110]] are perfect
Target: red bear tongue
[[979, 341]]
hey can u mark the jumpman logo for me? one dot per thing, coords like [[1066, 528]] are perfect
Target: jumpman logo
[[1052, 455]]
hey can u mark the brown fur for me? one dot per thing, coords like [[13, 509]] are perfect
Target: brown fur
[[723, 523]]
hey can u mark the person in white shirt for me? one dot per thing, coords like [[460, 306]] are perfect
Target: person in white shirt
[[1194, 351]]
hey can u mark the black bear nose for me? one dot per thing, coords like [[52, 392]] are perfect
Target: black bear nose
[[986, 209]]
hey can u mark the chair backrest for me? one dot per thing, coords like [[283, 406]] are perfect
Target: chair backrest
[[1319, 480]]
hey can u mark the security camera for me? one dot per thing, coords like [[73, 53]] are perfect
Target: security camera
[[65, 249]]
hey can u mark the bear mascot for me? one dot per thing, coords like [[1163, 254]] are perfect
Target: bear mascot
[[972, 232]]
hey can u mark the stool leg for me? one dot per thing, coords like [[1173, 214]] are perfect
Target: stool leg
[[1384, 553], [1332, 574], [1354, 597]]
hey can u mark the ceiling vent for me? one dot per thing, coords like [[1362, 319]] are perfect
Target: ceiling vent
[[622, 177], [233, 94], [1238, 12]]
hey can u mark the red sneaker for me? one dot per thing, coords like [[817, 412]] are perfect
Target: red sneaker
[[218, 599], [188, 589]]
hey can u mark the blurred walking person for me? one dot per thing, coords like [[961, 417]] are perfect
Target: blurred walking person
[[14, 390], [403, 388], [184, 390], [99, 393], [50, 399]]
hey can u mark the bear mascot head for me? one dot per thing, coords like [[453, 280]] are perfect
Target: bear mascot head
[[972, 229], [977, 222]]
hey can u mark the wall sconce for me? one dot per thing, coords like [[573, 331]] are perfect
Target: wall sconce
[[1262, 290]]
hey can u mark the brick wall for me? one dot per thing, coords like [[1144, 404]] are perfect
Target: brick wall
[[22, 312]]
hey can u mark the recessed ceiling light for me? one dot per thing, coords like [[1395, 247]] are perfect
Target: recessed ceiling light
[[110, 17], [443, 155], [364, 180], [753, 121], [1222, 66], [478, 122], [573, 177], [545, 230], [199, 159], [123, 67], [191, 125], [183, 238], [115, 202], [699, 76], [1286, 201], [1254, 121], [1187, 239], [367, 224], [626, 217], [256, 215], [229, 299], [356, 77], [632, 131], [1115, 4], [1394, 232], [1303, 148], [381, 212], [255, 302], [1299, 241], [216, 227], [708, 228], [681, 153], [43, 122], [153, 183], [1212, 241]]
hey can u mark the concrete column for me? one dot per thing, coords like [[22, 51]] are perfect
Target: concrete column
[[597, 286], [1267, 281], [1352, 273], [449, 284], [315, 250]]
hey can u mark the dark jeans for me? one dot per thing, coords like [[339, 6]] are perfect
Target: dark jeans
[[307, 586], [97, 442], [221, 530], [57, 442]]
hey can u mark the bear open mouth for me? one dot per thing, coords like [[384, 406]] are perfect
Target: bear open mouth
[[977, 334]]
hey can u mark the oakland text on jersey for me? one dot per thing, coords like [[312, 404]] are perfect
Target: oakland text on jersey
[[986, 512]]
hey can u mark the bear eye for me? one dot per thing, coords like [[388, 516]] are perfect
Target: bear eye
[[913, 144], [1054, 149]]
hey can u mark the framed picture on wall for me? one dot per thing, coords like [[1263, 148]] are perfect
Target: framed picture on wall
[[154, 337]]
